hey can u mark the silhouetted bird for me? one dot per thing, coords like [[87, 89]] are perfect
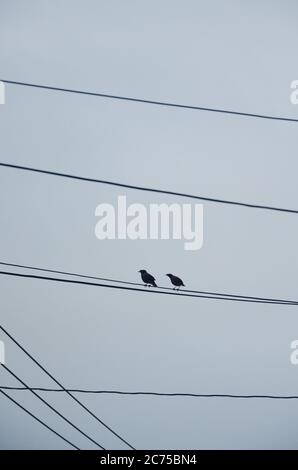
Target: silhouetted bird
[[147, 278], [176, 281]]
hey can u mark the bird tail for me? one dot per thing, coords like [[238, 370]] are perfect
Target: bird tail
[[154, 284]]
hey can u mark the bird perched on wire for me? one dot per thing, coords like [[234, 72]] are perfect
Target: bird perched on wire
[[147, 278], [176, 281]]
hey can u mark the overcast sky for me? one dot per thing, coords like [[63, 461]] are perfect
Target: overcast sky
[[224, 54]]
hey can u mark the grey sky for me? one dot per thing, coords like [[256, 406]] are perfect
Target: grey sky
[[224, 54]]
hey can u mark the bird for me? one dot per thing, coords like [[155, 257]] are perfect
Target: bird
[[176, 281], [147, 278]]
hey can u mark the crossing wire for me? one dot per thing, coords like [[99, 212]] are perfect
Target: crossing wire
[[39, 420], [52, 408], [63, 388], [155, 394]]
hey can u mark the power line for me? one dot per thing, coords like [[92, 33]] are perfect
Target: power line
[[152, 102], [152, 291], [83, 276], [156, 394], [39, 420], [144, 188], [64, 389], [52, 408]]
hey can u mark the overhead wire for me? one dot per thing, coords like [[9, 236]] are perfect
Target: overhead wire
[[148, 101], [147, 189], [146, 290]]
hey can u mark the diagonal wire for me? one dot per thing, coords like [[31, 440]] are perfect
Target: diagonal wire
[[63, 388], [52, 408], [39, 420]]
